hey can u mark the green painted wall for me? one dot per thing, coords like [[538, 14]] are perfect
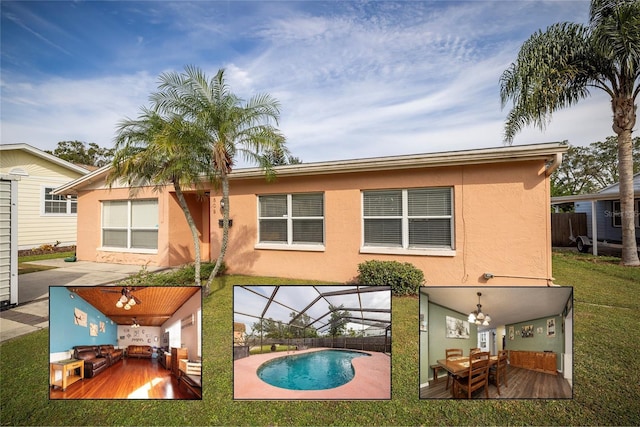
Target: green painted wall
[[540, 340], [438, 342]]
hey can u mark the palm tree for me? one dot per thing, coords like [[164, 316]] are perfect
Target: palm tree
[[228, 127], [154, 150], [557, 68]]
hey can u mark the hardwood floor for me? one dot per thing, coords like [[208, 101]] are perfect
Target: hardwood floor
[[127, 379], [523, 384]]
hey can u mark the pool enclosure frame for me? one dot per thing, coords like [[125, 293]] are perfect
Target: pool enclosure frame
[[366, 317]]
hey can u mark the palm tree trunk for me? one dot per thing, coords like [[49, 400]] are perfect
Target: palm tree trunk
[[192, 226], [624, 118], [225, 233]]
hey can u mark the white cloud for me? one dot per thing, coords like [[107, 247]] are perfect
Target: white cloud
[[353, 80]]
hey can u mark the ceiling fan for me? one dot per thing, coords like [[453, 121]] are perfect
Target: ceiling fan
[[127, 299], [134, 323]]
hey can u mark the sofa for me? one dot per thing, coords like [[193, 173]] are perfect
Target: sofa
[[140, 351], [94, 362], [110, 352]]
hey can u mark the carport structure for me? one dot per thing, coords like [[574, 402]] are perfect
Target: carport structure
[[366, 309]]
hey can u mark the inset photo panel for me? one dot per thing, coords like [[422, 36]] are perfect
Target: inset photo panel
[[125, 342], [304, 342], [496, 342]]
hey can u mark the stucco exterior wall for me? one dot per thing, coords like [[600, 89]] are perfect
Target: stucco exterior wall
[[501, 222], [175, 244], [501, 225], [36, 228]]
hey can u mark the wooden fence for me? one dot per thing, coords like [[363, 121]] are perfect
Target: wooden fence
[[560, 230]]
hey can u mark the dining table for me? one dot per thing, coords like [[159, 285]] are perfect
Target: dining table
[[459, 365]]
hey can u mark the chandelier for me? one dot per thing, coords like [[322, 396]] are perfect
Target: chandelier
[[477, 316], [126, 300]]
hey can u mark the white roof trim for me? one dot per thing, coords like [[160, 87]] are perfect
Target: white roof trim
[[558, 200], [49, 157], [545, 151], [412, 161]]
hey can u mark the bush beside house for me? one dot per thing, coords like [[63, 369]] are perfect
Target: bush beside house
[[404, 278]]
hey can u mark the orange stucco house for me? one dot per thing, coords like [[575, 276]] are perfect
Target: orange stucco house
[[464, 217]]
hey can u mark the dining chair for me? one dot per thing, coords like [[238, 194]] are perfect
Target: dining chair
[[478, 376], [451, 352], [474, 350], [498, 372]]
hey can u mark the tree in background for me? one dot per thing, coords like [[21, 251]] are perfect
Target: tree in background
[[586, 170], [277, 157], [299, 326], [558, 67], [81, 153], [338, 320]]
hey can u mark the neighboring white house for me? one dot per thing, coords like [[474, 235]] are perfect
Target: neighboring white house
[[43, 218]]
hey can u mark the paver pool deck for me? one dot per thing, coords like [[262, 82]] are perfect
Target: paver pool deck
[[372, 379]]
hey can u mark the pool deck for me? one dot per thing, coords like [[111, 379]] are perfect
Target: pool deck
[[372, 379]]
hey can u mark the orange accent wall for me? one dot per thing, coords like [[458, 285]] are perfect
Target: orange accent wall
[[501, 222]]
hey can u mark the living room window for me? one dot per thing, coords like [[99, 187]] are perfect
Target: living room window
[[130, 224], [414, 220], [54, 204], [294, 221]]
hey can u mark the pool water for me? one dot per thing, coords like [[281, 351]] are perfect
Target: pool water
[[319, 370]]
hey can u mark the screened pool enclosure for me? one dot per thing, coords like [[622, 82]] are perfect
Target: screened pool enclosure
[[306, 316]]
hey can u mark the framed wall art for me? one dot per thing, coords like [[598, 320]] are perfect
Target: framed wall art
[[527, 331], [457, 328], [79, 317], [551, 327]]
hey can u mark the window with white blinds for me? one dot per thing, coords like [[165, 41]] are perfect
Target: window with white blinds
[[409, 218], [291, 219], [130, 224]]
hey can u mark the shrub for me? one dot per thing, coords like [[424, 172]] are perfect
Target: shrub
[[404, 278]]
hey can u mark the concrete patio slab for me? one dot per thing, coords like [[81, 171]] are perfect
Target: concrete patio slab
[[372, 380]]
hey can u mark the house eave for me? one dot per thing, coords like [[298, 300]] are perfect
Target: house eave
[[559, 200], [46, 156], [547, 152]]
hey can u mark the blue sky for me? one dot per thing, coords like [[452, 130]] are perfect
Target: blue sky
[[354, 79]]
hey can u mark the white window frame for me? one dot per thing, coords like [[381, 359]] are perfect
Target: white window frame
[[69, 202], [616, 219], [405, 248], [290, 244], [128, 228]]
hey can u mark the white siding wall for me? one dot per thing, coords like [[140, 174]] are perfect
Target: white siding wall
[[34, 227]]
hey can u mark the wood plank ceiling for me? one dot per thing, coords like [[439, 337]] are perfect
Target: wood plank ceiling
[[157, 303]]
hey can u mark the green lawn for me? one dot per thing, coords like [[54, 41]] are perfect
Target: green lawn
[[606, 371], [24, 266]]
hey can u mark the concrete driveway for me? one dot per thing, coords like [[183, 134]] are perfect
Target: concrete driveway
[[32, 311]]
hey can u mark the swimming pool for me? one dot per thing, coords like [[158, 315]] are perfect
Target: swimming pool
[[319, 370]]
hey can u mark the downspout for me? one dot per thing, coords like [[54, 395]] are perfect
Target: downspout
[[555, 164]]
